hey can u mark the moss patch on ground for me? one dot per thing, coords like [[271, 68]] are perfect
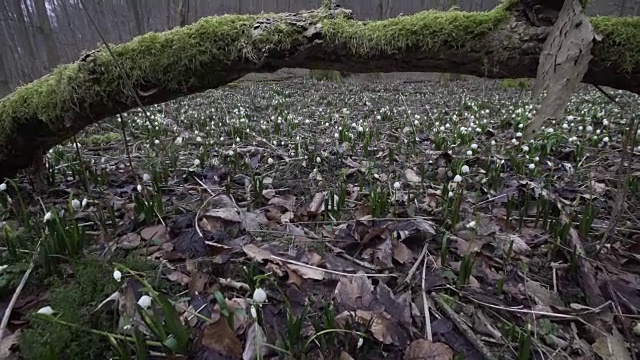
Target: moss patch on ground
[[75, 299]]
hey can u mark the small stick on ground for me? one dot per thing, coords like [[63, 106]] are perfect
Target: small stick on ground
[[16, 294]]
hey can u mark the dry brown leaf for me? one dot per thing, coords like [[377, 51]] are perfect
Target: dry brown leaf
[[180, 278], [345, 356], [129, 241], [8, 342], [253, 221], [412, 177], [238, 307], [219, 337], [362, 211], [268, 193], [423, 349], [611, 347], [306, 272], [512, 243], [288, 201], [383, 254], [228, 214], [401, 253], [355, 292], [156, 233], [294, 278], [198, 282], [382, 326], [257, 253], [255, 344]]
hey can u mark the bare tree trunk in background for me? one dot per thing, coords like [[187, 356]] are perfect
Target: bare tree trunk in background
[[389, 10], [44, 26], [623, 7], [380, 9], [134, 5], [5, 86], [169, 11], [23, 41], [183, 12]]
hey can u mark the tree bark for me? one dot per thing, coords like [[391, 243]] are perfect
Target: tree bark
[[44, 25], [217, 50]]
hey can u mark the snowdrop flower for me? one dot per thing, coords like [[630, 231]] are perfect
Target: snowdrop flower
[[464, 169], [573, 139], [145, 301], [520, 126], [580, 128], [549, 130], [598, 132], [259, 296], [3, 187], [469, 152], [318, 160], [75, 204], [254, 312], [457, 179], [146, 177], [447, 126], [336, 135], [47, 310], [360, 129], [532, 166], [605, 122], [139, 187], [48, 216], [474, 146], [518, 134], [471, 225], [605, 139], [493, 142], [237, 139], [396, 185], [85, 201], [536, 159], [178, 140], [117, 275], [270, 161], [196, 162], [514, 141], [589, 128], [565, 126], [525, 148], [156, 141]]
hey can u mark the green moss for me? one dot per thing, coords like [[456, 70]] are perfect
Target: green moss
[[621, 40], [428, 31], [99, 140], [326, 75], [91, 284], [519, 84], [194, 56]]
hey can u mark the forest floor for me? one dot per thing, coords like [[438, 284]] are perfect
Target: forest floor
[[308, 219]]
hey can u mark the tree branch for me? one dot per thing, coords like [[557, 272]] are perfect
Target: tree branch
[[217, 50]]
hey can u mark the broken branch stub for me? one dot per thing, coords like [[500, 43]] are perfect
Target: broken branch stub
[[563, 62]]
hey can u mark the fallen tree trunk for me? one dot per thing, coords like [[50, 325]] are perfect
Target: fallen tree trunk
[[218, 50]]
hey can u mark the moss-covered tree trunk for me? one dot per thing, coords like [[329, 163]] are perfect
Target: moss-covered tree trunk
[[217, 50]]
